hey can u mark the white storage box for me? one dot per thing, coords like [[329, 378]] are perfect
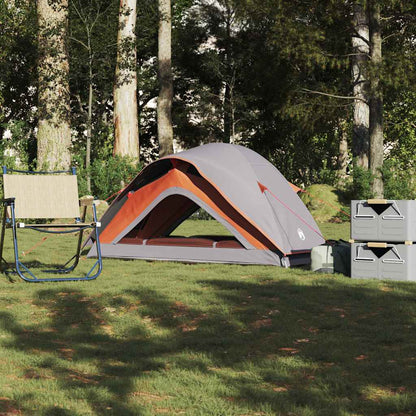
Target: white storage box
[[383, 220], [383, 261]]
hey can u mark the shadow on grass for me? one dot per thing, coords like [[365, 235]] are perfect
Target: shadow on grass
[[321, 349]]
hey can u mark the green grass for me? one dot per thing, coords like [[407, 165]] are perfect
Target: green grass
[[154, 338], [195, 227]]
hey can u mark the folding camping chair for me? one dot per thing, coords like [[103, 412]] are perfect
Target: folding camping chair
[[46, 195]]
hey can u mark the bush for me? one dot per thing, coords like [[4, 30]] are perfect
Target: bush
[[201, 214], [107, 176], [360, 187], [398, 180]]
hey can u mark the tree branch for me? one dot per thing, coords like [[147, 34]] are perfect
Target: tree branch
[[346, 55], [80, 42], [342, 97]]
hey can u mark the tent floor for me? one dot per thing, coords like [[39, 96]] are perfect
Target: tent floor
[[199, 250], [214, 241]]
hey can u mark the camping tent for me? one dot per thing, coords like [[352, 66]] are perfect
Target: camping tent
[[236, 186]]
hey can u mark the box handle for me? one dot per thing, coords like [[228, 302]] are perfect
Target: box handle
[[377, 201], [393, 261], [399, 260], [377, 245], [366, 259], [399, 215]]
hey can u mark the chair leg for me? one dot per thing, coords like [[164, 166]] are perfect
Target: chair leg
[[19, 266], [3, 230], [99, 261], [26, 274], [81, 233]]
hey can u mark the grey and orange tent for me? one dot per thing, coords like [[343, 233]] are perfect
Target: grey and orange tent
[[236, 186]]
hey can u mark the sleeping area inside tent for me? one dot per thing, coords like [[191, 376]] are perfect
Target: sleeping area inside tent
[[265, 222]]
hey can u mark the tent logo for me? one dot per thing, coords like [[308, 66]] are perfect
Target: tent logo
[[301, 234]]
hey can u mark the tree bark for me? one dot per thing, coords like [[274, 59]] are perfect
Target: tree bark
[[227, 105], [342, 153], [164, 102], [126, 126], [376, 104], [54, 132], [89, 122], [361, 118]]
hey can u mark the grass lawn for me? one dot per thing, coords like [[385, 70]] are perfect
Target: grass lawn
[[155, 338]]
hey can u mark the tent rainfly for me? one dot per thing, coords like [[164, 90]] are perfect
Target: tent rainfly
[[236, 186]]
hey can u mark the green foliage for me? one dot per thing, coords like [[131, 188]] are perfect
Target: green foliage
[[360, 187], [17, 63], [401, 128], [399, 182], [108, 176], [327, 174], [201, 214], [19, 149]]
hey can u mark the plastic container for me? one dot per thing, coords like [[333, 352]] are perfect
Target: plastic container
[[383, 261], [383, 220]]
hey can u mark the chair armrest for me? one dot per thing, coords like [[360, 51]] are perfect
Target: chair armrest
[[7, 201], [86, 201]]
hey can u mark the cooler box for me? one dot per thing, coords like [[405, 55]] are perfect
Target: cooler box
[[383, 261], [383, 220], [333, 257]]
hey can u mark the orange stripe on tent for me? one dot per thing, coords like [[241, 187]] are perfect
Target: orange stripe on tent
[[138, 201], [295, 188]]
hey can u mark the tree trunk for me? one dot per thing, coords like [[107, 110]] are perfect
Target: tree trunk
[[227, 104], [126, 126], [361, 118], [376, 104], [54, 132], [343, 153], [227, 113], [89, 125], [164, 102]]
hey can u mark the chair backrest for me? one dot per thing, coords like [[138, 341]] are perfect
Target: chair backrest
[[43, 196]]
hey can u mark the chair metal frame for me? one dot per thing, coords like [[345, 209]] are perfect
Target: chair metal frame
[[9, 221]]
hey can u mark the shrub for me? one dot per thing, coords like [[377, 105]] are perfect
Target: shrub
[[398, 180], [107, 176], [360, 187]]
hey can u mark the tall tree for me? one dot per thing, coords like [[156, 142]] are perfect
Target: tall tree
[[126, 127], [54, 133], [164, 102], [342, 159], [229, 78], [92, 53], [376, 102], [360, 81]]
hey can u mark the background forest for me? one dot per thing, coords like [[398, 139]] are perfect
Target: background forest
[[289, 79]]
